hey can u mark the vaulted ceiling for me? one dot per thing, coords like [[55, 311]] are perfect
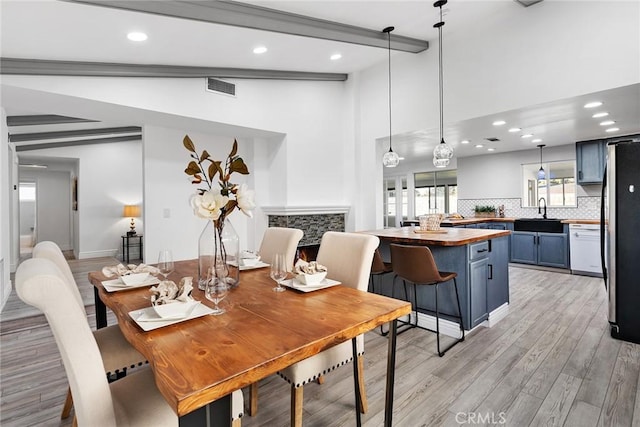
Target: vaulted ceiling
[[217, 38]]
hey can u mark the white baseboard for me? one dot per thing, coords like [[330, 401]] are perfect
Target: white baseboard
[[447, 327], [452, 329], [497, 315], [98, 254]]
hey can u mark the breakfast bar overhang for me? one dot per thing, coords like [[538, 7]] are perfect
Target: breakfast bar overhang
[[479, 257]]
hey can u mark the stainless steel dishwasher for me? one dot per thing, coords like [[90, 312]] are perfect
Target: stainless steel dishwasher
[[584, 241]]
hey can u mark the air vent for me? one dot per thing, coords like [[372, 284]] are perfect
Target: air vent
[[220, 86], [492, 139]]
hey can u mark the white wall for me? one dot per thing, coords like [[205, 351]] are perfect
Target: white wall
[[109, 177], [169, 220], [5, 234]]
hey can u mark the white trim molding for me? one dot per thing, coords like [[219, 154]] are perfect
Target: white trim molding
[[452, 329], [305, 210]]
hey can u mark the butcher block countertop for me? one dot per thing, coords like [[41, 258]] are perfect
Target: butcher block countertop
[[580, 221], [447, 236], [468, 221]]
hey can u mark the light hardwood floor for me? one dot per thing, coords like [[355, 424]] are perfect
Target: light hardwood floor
[[551, 361]]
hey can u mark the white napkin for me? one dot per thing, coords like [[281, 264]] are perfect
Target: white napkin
[[168, 292], [122, 270], [304, 267]]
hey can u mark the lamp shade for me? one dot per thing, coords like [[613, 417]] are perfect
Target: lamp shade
[[131, 211]]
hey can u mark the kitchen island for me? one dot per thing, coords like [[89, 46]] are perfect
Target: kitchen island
[[480, 257]]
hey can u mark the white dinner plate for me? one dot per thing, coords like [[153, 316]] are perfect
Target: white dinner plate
[[149, 320], [117, 284], [259, 264], [294, 284]]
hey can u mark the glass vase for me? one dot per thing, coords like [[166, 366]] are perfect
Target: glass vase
[[219, 252]]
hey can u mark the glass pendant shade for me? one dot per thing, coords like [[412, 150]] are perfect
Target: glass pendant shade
[[390, 159], [442, 154], [440, 163], [541, 174]]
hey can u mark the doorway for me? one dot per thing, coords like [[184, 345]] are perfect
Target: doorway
[[27, 196]]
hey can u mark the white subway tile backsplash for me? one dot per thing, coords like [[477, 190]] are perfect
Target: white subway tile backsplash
[[588, 208]]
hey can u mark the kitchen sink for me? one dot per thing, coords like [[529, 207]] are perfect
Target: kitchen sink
[[543, 225]]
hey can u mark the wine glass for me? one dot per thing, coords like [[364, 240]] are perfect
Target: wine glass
[[216, 289], [278, 271], [165, 263]]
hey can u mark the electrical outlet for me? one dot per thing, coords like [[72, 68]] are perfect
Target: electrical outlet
[[166, 213]]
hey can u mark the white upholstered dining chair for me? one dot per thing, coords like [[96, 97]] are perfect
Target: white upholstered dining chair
[[280, 240], [348, 258], [114, 350], [133, 400]]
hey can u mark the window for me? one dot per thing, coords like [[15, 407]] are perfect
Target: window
[[558, 189], [396, 200], [436, 192]]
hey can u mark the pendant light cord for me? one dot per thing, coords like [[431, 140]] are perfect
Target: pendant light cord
[[440, 24], [388, 31]]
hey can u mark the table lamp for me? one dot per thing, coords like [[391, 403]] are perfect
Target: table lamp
[[131, 211]]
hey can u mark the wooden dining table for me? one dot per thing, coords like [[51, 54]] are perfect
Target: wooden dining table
[[199, 362]]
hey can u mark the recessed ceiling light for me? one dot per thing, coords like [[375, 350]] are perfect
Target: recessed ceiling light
[[515, 130], [479, 146], [466, 141], [491, 149], [137, 36], [607, 123], [598, 115], [613, 130], [536, 140], [527, 135], [335, 56], [499, 123], [593, 104], [400, 158], [259, 49]]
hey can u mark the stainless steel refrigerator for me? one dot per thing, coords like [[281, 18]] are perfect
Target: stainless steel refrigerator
[[621, 208]]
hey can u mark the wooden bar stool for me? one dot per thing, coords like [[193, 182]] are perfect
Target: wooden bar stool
[[415, 264]]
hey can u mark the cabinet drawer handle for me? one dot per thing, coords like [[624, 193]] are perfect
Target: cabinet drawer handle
[[490, 271], [482, 250]]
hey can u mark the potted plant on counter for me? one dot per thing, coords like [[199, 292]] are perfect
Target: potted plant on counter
[[484, 211]]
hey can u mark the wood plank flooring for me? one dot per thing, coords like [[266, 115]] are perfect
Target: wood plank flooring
[[550, 362]]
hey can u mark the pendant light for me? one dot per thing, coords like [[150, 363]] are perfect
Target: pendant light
[[541, 174], [443, 152], [390, 159]]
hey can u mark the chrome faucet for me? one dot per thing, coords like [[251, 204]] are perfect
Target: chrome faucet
[[544, 215]]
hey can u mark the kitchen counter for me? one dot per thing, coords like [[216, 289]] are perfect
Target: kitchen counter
[[467, 221], [444, 237], [580, 221], [480, 257]]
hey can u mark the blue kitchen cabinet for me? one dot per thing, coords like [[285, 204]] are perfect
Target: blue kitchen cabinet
[[523, 247], [552, 250], [590, 160], [548, 249]]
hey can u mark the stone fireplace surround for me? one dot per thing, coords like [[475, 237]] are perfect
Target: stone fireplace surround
[[314, 221]]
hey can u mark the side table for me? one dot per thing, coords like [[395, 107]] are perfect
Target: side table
[[127, 242]]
